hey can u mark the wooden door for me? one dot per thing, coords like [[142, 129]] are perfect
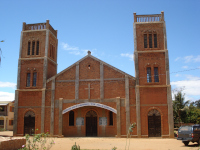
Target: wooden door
[[91, 123], [154, 124], [29, 123]]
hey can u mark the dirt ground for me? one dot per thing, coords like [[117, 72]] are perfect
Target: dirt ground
[[87, 143]]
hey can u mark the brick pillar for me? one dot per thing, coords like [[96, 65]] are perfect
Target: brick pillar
[[118, 117], [60, 116]]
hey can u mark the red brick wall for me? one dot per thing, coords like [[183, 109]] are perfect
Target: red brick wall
[[33, 36], [151, 60], [93, 72], [30, 98], [52, 69], [30, 66], [153, 95], [141, 28]]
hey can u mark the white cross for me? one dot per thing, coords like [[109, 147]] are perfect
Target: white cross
[[89, 90]]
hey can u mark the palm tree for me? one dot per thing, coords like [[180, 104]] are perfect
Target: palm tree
[[179, 105]]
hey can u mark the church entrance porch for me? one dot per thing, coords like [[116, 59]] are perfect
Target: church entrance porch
[[91, 123], [29, 123], [89, 119]]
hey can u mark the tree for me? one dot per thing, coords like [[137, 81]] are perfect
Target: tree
[[197, 103], [179, 106]]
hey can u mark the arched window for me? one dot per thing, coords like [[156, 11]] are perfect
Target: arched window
[[110, 118], [34, 78], [33, 47], [156, 77], [29, 48], [150, 39], [155, 40], [71, 118], [148, 74], [37, 48]]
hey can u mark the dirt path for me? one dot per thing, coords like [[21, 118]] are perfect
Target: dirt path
[[120, 143]]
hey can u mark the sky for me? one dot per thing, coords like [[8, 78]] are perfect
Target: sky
[[105, 27]]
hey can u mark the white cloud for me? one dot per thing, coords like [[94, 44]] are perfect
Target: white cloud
[[130, 56], [177, 75], [191, 86], [66, 46], [5, 96], [188, 58], [7, 84], [197, 59], [184, 67], [76, 50], [192, 58], [177, 58]]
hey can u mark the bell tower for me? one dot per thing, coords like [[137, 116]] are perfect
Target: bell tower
[[153, 89], [37, 63]]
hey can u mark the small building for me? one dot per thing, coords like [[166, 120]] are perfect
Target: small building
[[91, 97], [6, 115]]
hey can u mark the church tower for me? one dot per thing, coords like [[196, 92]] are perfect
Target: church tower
[[153, 89], [37, 62]]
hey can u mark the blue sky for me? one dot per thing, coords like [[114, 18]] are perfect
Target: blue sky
[[105, 27]]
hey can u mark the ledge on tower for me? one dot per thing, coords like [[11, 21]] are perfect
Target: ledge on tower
[[149, 18], [39, 26]]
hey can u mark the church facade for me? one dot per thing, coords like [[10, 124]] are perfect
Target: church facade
[[91, 97]]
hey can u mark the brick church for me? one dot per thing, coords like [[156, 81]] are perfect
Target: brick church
[[91, 97]]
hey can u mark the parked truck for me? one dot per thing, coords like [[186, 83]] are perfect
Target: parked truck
[[189, 134]]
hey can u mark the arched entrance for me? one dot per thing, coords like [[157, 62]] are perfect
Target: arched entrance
[[154, 123], [29, 123], [91, 123]]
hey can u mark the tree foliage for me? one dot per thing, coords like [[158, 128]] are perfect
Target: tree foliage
[[185, 111]]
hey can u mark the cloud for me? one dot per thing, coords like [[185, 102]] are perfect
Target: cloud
[[177, 75], [177, 58], [6, 96], [76, 50], [191, 86], [188, 58], [185, 67], [197, 59], [130, 56], [66, 46], [7, 84], [192, 58]]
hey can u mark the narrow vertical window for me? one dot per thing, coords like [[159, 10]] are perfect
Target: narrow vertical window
[[53, 48], [155, 40], [37, 48], [71, 118], [145, 40], [148, 74], [156, 77], [33, 47], [29, 48], [111, 118], [50, 51], [150, 40], [28, 79], [34, 78]]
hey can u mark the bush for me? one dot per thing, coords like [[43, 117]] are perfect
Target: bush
[[40, 141], [75, 147]]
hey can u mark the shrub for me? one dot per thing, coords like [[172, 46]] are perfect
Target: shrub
[[40, 141]]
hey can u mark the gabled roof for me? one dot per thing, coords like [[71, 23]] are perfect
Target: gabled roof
[[89, 55]]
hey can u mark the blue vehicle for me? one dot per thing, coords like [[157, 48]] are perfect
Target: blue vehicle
[[189, 134]]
